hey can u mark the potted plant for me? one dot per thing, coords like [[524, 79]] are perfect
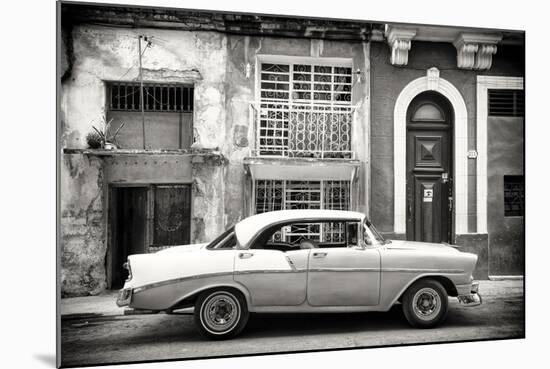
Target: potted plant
[[101, 137]]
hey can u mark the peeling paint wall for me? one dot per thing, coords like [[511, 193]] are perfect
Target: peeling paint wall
[[101, 54], [106, 54], [82, 226]]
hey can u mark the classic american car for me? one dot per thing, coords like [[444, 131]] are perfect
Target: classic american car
[[300, 261]]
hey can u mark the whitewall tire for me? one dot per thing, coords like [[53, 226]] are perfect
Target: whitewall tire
[[221, 313], [425, 303]]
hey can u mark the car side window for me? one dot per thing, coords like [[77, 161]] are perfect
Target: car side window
[[227, 243], [332, 234]]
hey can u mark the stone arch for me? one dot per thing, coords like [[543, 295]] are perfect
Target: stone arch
[[431, 82]]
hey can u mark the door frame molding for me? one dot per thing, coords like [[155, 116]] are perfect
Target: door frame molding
[[431, 82], [484, 83]]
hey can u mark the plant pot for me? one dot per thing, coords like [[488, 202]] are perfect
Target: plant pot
[[109, 146]]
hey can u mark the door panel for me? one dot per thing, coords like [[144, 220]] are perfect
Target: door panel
[[429, 170], [429, 214], [129, 224], [273, 278], [172, 220], [343, 277]]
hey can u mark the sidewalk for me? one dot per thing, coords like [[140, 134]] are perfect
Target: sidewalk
[[105, 303]]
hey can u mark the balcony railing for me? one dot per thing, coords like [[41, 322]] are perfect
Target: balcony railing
[[290, 129]]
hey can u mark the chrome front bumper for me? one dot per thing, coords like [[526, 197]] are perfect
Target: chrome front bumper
[[124, 297], [471, 299]]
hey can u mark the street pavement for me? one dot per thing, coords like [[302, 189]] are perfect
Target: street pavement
[[95, 331]]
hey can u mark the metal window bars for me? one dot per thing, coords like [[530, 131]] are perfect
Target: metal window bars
[[158, 97], [271, 195], [303, 130], [304, 111]]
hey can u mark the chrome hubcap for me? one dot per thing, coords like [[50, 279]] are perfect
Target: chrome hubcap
[[220, 312], [426, 303]]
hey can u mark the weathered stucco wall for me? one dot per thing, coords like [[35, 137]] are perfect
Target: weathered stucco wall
[[82, 225], [105, 54], [101, 54]]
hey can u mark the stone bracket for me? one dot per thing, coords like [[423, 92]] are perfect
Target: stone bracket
[[399, 40], [475, 51]]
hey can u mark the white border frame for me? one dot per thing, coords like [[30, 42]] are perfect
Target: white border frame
[[485, 83], [460, 135]]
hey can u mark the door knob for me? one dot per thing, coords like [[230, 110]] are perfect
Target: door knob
[[319, 254], [245, 255]]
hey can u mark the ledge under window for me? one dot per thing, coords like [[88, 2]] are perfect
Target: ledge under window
[[103, 152], [197, 155], [307, 169]]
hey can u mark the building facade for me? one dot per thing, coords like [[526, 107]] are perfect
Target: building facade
[[221, 116]]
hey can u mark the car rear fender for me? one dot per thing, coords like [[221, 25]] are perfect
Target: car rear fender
[[190, 297]]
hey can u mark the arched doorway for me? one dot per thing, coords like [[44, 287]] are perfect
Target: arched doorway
[[429, 170]]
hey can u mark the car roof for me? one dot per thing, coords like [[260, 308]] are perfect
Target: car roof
[[246, 229]]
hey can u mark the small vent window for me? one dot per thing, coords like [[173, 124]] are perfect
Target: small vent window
[[514, 196], [157, 97], [506, 103]]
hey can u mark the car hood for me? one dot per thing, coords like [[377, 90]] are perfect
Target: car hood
[[183, 248], [421, 246]]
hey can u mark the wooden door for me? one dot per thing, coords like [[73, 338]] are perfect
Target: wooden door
[[429, 169], [172, 220], [128, 224]]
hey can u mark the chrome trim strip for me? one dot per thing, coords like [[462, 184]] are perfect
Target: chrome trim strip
[[344, 270], [210, 275], [178, 280], [413, 270], [270, 271]]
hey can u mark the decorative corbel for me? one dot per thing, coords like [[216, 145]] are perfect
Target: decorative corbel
[[475, 51], [465, 54], [399, 40], [484, 57]]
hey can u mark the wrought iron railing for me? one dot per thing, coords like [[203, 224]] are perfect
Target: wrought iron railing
[[289, 129]]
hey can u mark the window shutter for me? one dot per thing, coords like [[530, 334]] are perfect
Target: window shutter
[[506, 103]]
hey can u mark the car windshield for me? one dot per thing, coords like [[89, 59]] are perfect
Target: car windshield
[[220, 238], [371, 235]]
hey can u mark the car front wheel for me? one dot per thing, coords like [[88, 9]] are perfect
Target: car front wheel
[[220, 314], [425, 303]]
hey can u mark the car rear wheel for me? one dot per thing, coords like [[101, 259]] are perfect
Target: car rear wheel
[[425, 303], [221, 313]]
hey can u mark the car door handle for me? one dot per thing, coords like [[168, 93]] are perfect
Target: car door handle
[[245, 255], [319, 254]]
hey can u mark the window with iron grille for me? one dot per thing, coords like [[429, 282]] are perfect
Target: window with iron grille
[[167, 117], [126, 96], [305, 110], [506, 103], [514, 196], [274, 195]]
